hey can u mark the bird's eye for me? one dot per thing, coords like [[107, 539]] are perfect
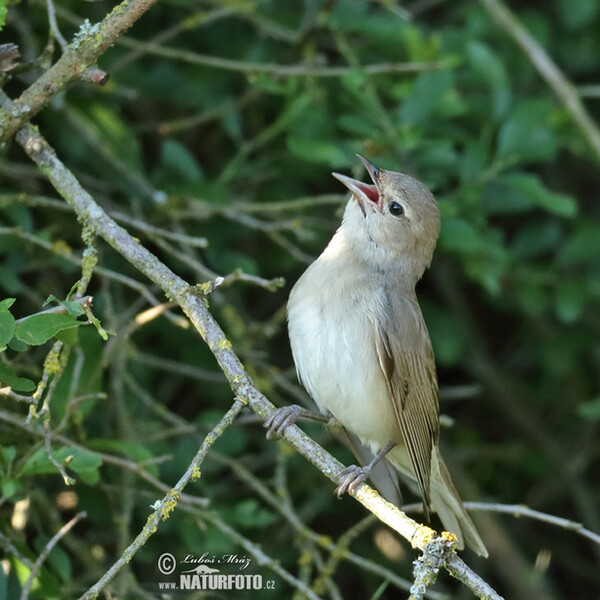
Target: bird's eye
[[396, 209]]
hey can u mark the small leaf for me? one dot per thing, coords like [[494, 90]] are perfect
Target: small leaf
[[176, 157], [80, 461], [429, 95], [486, 63], [531, 186], [9, 378], [7, 303], [570, 296], [590, 410], [17, 345], [38, 329], [317, 151], [9, 487], [582, 246], [8, 454], [458, 234], [73, 308], [526, 132], [7, 327]]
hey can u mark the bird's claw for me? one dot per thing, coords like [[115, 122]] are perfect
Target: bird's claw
[[281, 419], [350, 478]]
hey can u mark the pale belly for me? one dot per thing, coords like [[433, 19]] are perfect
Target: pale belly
[[335, 354]]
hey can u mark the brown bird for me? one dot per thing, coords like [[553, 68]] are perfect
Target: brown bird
[[362, 349]]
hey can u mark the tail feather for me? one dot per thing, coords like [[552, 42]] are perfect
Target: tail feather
[[445, 500], [448, 505]]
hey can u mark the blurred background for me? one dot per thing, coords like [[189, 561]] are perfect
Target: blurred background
[[213, 142]]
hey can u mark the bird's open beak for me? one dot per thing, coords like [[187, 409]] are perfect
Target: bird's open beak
[[364, 193]]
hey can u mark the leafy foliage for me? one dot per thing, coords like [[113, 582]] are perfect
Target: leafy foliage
[[226, 167]]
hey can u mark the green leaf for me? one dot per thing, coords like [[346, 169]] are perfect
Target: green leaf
[[7, 303], [447, 334], [527, 134], [68, 336], [8, 454], [38, 329], [9, 280], [577, 14], [590, 410], [7, 327], [570, 296], [537, 238], [17, 345], [84, 463], [3, 11], [486, 63], [318, 151], [582, 246], [458, 234], [427, 96], [9, 378], [137, 452], [10, 486], [73, 308], [178, 158], [532, 187]]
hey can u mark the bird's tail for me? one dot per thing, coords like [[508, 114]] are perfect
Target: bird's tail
[[449, 507]]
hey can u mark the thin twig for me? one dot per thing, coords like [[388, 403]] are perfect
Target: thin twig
[[164, 507], [123, 463], [58, 36], [520, 510], [47, 549], [273, 69]]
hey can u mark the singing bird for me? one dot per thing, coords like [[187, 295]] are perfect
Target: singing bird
[[362, 349]]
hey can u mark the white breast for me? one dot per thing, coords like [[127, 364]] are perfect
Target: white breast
[[331, 320]]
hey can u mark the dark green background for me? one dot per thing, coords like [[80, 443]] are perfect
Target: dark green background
[[512, 299]]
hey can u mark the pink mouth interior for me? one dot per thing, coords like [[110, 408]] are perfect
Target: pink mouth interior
[[370, 191]]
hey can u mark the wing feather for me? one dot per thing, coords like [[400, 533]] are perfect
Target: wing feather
[[407, 363]]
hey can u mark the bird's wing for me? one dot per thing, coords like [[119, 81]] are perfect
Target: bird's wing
[[407, 363]]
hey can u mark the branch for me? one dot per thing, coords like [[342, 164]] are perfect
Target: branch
[[520, 510], [561, 86], [193, 305], [164, 507], [305, 70], [47, 549], [88, 44]]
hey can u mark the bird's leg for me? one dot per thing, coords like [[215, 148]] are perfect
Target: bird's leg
[[351, 477], [283, 417]]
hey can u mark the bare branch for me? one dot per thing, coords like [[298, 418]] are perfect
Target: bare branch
[[87, 45], [47, 549], [164, 507]]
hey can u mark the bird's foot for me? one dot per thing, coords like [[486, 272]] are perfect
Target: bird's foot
[[281, 419], [350, 478]]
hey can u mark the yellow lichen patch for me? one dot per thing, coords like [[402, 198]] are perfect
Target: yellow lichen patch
[[52, 364], [196, 473], [170, 504], [61, 247], [423, 535], [224, 344], [449, 537]]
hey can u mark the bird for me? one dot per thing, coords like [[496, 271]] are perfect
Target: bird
[[362, 349]]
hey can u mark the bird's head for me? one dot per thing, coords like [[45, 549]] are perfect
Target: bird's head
[[392, 223]]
